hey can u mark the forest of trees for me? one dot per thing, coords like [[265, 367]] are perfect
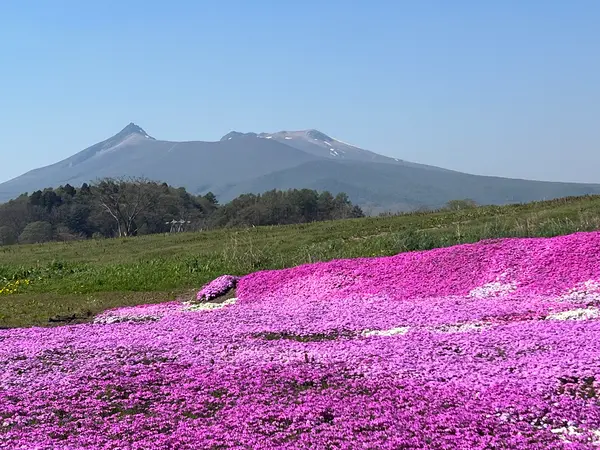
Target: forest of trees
[[129, 207]]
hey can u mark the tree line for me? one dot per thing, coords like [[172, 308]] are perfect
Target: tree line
[[120, 207]]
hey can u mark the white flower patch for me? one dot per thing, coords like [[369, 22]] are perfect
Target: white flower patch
[[118, 318], [194, 307], [583, 292], [575, 314], [390, 332], [460, 328], [142, 313], [571, 430], [497, 288], [595, 437], [493, 289]]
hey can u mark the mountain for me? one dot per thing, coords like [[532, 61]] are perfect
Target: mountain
[[256, 162], [198, 166]]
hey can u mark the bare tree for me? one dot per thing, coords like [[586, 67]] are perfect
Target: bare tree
[[124, 199]]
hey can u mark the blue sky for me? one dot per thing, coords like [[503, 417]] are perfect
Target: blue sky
[[507, 88]]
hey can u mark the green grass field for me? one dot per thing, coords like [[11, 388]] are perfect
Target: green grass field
[[70, 282]]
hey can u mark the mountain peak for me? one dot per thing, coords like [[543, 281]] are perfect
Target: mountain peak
[[236, 134], [316, 134], [286, 135], [132, 128]]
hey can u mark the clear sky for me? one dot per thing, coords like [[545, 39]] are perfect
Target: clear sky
[[508, 88]]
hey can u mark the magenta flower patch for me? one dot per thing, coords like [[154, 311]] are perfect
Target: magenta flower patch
[[216, 288]]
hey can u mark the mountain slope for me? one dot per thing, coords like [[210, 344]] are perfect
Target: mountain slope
[[404, 188], [319, 144], [256, 162]]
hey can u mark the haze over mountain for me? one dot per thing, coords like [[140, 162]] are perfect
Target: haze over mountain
[[256, 162]]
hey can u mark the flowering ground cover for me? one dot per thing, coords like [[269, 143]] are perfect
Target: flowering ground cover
[[12, 287], [482, 346]]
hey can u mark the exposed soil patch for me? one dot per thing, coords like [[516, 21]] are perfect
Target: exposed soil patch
[[70, 319], [315, 337]]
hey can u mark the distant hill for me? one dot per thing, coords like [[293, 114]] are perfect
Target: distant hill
[[257, 162], [401, 187]]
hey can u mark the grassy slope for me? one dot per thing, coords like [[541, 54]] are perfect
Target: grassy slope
[[72, 281]]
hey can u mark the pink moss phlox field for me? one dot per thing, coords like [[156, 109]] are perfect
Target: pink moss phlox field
[[217, 287], [547, 267], [487, 346]]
